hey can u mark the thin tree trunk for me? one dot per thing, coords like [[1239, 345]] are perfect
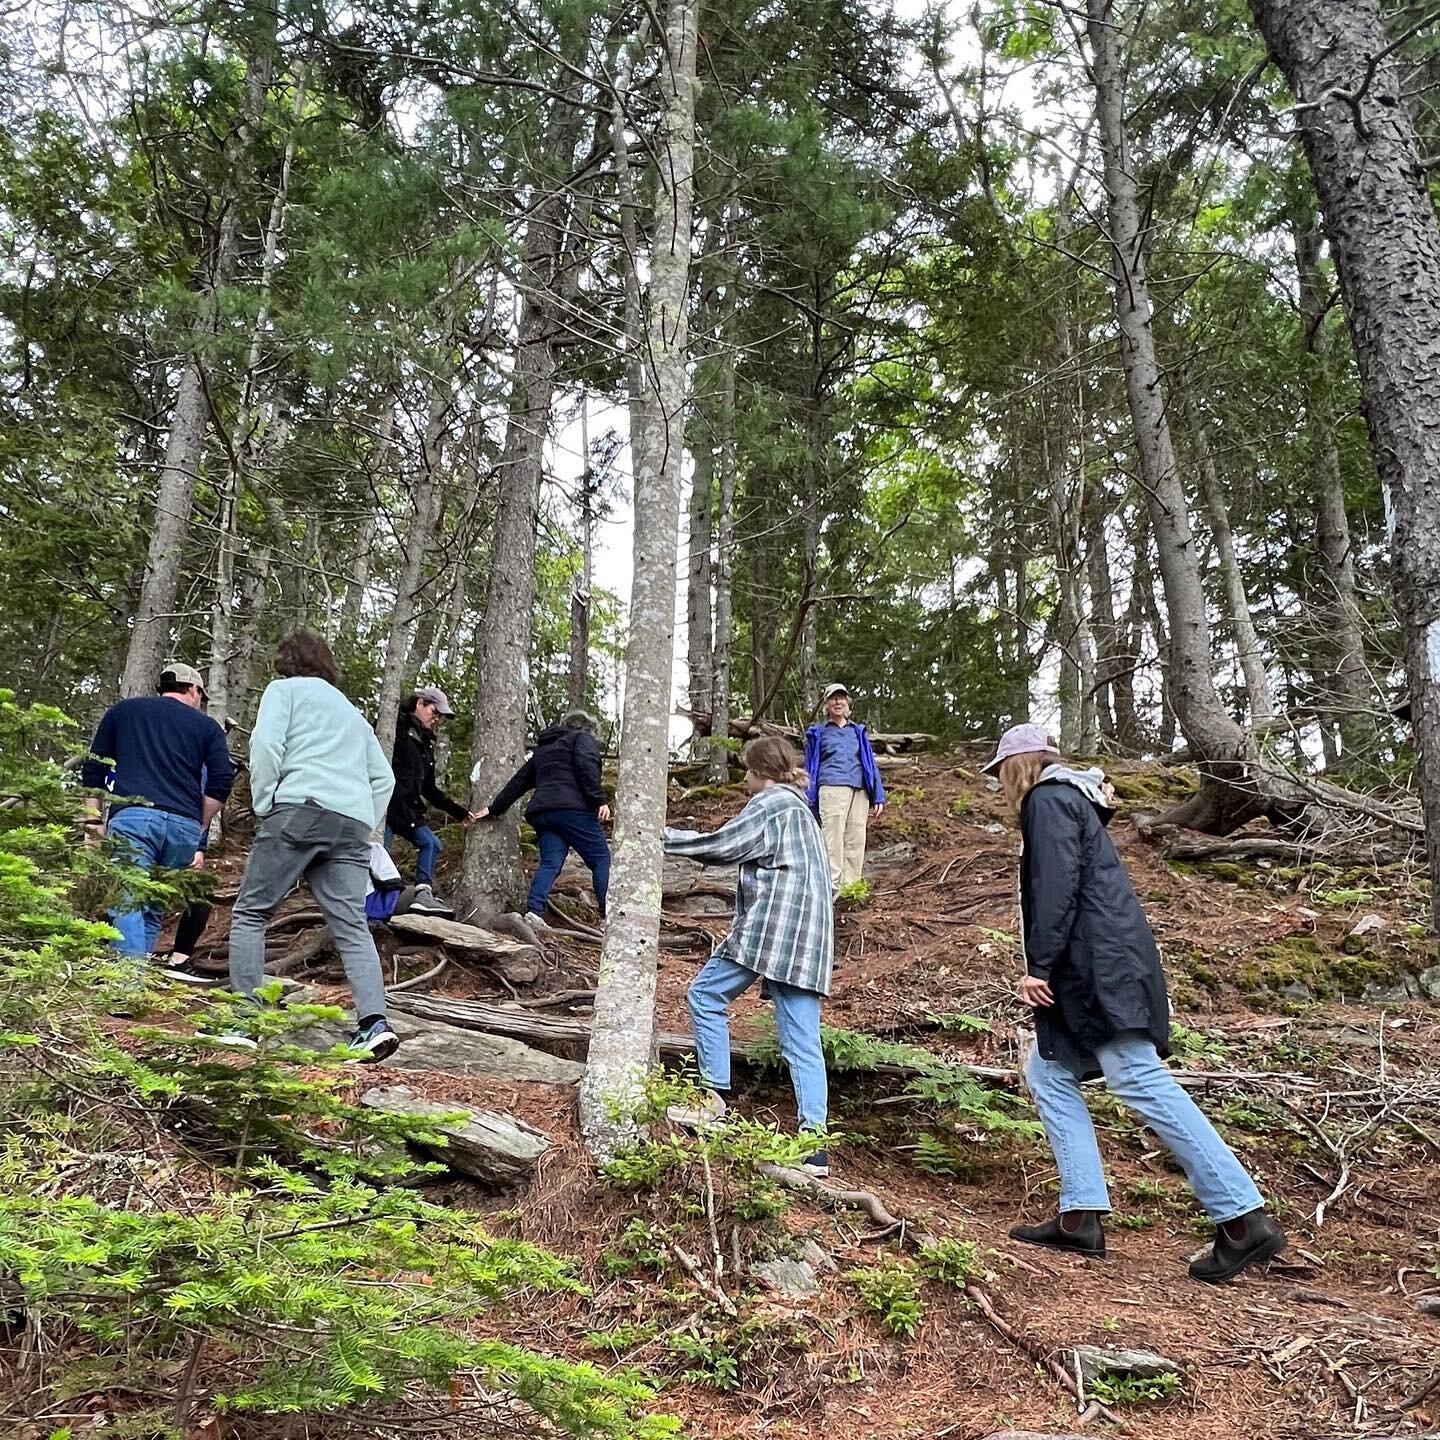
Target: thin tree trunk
[[1342, 673], [491, 876], [248, 418], [816, 443], [150, 636], [579, 685], [719, 766], [1211, 731], [699, 645], [418, 536], [1380, 221], [254, 593], [1247, 643], [624, 1026]]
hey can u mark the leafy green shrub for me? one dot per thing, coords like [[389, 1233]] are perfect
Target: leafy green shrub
[[891, 1291], [854, 893], [952, 1262], [1118, 1390]]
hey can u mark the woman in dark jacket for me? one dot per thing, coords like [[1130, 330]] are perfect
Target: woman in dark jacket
[[568, 805], [413, 762], [1094, 981]]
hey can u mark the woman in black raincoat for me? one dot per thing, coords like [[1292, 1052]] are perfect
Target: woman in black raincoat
[[1094, 981]]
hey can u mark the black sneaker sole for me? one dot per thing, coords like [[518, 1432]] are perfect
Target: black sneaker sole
[[381, 1049], [1258, 1256]]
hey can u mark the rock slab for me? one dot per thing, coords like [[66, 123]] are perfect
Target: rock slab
[[518, 962], [1097, 1360], [789, 1277], [498, 1149]]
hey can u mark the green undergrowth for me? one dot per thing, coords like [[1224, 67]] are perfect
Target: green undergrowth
[[186, 1232], [1326, 972]]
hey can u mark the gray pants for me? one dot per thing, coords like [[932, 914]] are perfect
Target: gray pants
[[332, 853]]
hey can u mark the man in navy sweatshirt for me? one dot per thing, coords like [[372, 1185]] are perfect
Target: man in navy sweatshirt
[[172, 773]]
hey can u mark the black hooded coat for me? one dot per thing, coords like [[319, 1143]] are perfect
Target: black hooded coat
[[1082, 926]]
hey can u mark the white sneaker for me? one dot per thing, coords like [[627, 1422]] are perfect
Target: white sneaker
[[711, 1111], [426, 902]]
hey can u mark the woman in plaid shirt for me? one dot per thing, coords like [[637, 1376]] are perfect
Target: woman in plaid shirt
[[784, 934]]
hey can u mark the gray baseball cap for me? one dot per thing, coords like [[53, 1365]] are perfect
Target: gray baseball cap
[[1022, 740], [434, 695], [182, 674], [836, 690]]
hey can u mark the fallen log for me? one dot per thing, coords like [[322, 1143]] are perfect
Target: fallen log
[[484, 1145], [312, 945], [518, 962]]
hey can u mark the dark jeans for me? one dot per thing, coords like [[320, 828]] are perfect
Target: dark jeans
[[427, 850], [191, 928], [558, 832]]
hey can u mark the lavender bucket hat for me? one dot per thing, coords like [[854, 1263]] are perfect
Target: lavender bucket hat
[[1022, 740]]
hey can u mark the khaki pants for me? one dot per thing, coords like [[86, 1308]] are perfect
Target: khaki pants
[[843, 811]]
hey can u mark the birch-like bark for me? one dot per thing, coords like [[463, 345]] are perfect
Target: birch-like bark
[[579, 680], [1211, 731], [624, 1026]]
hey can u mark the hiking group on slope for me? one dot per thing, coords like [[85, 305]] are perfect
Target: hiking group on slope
[[321, 786]]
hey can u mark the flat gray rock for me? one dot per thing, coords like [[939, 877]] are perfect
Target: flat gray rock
[[898, 855], [1097, 1360], [484, 1145], [789, 1277], [817, 1257], [431, 1045], [1034, 1435], [1386, 995], [1429, 1305], [1429, 981]]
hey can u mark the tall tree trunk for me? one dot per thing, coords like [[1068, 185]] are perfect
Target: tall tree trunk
[[1211, 731], [811, 503], [150, 636], [1380, 221], [699, 643], [419, 534], [1343, 675], [719, 766], [244, 435], [491, 877], [254, 593], [579, 684], [1247, 643], [624, 1026]]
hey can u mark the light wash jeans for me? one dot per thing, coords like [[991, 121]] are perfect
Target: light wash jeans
[[156, 840], [797, 1027], [1137, 1075]]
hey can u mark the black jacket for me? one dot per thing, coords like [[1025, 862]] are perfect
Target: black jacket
[[1083, 928], [563, 771], [413, 761]]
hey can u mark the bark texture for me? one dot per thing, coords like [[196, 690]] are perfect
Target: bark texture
[[624, 1025], [1380, 221]]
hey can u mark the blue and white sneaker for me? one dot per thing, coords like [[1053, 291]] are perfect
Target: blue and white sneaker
[[376, 1040]]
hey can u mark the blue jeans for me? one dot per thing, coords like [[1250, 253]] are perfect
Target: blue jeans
[[557, 832], [797, 1027], [1137, 1075], [157, 840], [427, 851]]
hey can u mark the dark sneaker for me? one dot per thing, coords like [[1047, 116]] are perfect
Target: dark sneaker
[[426, 902], [377, 1041], [1078, 1231], [817, 1165], [187, 973], [1250, 1240]]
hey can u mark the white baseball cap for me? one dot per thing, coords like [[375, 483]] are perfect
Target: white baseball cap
[[1022, 740], [836, 690]]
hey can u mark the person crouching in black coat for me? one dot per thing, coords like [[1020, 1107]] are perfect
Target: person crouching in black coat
[[1094, 981], [568, 805], [413, 761]]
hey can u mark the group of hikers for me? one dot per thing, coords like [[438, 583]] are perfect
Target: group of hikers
[[322, 788]]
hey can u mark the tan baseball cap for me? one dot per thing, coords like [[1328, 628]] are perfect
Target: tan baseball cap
[[434, 695], [836, 690], [182, 674]]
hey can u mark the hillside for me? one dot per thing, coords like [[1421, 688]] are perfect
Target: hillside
[[1295, 1025]]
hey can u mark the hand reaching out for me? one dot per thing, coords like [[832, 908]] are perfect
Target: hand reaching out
[[603, 813], [1036, 993]]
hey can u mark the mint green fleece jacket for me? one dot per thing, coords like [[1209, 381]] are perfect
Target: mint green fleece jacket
[[311, 743]]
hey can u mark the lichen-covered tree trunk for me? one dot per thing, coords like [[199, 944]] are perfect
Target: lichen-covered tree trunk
[[699, 640], [624, 1026], [718, 771], [1380, 221]]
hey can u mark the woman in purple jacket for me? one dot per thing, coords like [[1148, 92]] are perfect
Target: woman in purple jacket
[[845, 786]]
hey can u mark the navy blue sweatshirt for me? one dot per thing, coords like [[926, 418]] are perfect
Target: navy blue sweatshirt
[[164, 752]]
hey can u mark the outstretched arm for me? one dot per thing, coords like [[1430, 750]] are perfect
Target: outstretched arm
[[740, 839]]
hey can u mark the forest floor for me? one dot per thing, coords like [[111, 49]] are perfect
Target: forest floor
[[1331, 1099]]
